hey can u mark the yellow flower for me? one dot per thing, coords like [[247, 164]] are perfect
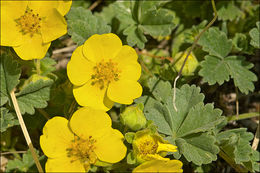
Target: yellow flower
[[30, 26], [160, 166], [85, 140], [150, 146], [104, 71]]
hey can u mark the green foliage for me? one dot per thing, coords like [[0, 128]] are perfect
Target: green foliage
[[189, 127], [143, 17], [7, 119], [255, 36], [82, 24], [235, 143], [10, 74], [217, 67], [228, 11], [34, 95], [26, 164]]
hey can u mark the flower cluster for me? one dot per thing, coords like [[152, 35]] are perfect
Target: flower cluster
[[30, 26]]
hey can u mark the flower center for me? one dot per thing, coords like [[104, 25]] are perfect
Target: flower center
[[148, 147], [83, 150], [104, 73], [30, 22]]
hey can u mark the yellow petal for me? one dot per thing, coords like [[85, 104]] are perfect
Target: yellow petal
[[126, 54], [92, 96], [110, 147], [102, 47], [87, 122], [124, 91], [160, 166], [166, 147], [32, 47], [79, 69], [130, 71], [43, 7], [56, 137], [64, 6], [53, 26], [63, 164], [10, 11]]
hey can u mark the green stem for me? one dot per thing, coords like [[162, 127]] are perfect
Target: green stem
[[243, 116], [37, 63], [231, 162]]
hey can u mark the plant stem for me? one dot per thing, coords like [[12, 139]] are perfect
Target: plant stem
[[37, 63], [256, 138], [192, 47], [25, 132], [243, 116], [231, 162]]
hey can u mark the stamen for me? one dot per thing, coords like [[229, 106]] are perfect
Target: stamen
[[29, 23], [105, 73]]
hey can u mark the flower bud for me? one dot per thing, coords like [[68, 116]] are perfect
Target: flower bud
[[133, 117], [190, 65]]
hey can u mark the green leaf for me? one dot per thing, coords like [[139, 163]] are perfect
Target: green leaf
[[214, 70], [10, 73], [236, 144], [34, 95], [217, 70], [8, 119], [228, 11], [240, 42], [255, 36], [47, 66], [135, 36], [216, 43], [239, 71], [82, 24], [26, 164], [141, 17], [187, 126]]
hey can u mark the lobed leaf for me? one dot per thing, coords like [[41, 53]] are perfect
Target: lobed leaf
[[82, 24], [7, 119], [10, 74], [187, 126], [215, 42], [255, 36], [34, 95]]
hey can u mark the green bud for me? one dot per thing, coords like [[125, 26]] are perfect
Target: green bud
[[190, 65], [133, 117]]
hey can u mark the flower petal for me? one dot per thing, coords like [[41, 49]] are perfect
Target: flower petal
[[63, 164], [53, 26], [92, 96], [43, 7], [124, 91], [160, 166], [130, 71], [87, 122], [56, 137], [79, 69], [102, 47], [126, 54], [32, 47], [64, 6], [110, 147], [10, 11]]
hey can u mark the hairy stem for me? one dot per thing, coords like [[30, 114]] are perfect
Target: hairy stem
[[192, 47]]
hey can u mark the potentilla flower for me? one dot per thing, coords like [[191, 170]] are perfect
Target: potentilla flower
[[87, 139], [30, 26], [103, 72], [148, 145], [160, 166]]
